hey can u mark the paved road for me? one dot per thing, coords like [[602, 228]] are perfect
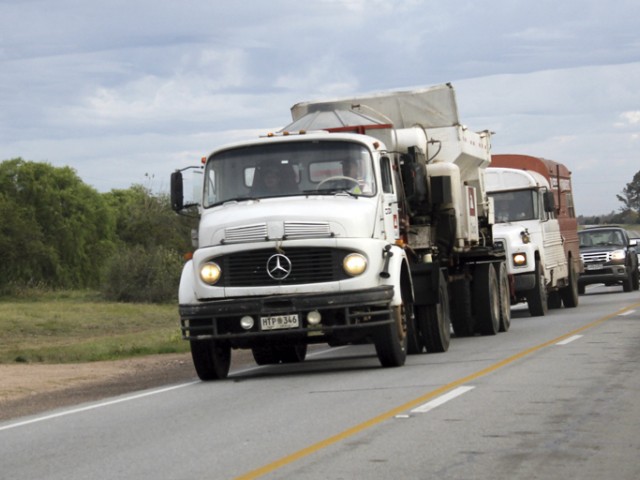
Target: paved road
[[555, 397]]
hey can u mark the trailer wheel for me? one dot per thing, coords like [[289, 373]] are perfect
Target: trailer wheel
[[461, 315], [211, 359], [486, 298], [505, 297], [537, 296], [391, 340], [570, 293], [434, 321]]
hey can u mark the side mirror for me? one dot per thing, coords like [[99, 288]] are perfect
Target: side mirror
[[177, 194], [549, 202]]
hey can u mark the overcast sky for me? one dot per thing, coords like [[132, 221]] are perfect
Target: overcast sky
[[127, 91]]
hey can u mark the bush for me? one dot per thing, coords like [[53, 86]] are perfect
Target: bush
[[136, 274]]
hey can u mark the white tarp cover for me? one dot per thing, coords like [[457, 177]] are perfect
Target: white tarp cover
[[430, 107]]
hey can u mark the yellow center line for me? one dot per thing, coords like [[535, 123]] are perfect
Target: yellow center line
[[327, 442]]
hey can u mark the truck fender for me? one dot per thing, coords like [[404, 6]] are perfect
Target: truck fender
[[186, 292], [398, 269]]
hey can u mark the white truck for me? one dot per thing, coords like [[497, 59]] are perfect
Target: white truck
[[364, 220], [536, 222]]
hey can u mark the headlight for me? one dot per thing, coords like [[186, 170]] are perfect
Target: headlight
[[354, 264], [617, 255], [210, 273], [519, 259]]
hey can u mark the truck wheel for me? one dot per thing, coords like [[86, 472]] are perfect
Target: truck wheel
[[292, 353], [461, 315], [391, 340], [265, 355], [554, 300], [570, 293], [505, 297], [486, 298], [537, 297], [211, 359], [434, 321]]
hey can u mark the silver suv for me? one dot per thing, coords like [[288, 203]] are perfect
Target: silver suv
[[609, 256]]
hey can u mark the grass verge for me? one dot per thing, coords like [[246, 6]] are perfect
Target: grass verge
[[71, 327]]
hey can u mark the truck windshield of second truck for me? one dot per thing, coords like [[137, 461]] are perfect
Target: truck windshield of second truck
[[288, 168], [515, 206]]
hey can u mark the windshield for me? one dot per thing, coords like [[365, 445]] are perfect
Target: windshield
[[601, 238], [291, 168], [515, 206]]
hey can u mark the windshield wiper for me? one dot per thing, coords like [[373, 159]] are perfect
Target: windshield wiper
[[236, 199], [333, 191]]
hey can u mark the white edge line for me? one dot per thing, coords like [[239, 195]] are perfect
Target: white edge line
[[456, 392], [96, 405], [628, 312], [569, 340], [125, 399]]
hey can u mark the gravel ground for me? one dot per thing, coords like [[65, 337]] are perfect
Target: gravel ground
[[27, 389]]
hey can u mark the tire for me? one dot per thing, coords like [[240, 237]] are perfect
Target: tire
[[391, 340], [582, 289], [537, 296], [635, 283], [505, 297], [570, 293], [554, 300], [486, 299], [211, 359], [415, 340], [627, 283], [462, 318], [294, 353], [434, 321], [265, 355]]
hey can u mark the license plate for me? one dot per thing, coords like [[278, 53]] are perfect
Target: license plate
[[594, 266], [278, 322]]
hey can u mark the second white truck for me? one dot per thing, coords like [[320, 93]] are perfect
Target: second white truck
[[536, 222]]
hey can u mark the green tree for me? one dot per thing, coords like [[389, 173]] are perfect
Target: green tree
[[151, 242], [60, 229], [147, 220], [630, 195]]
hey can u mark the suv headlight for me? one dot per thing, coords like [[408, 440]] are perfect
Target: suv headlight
[[618, 255]]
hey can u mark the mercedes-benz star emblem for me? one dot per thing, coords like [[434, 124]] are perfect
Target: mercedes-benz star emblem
[[278, 266]]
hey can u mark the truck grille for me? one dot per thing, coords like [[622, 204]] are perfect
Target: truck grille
[[308, 265], [599, 257]]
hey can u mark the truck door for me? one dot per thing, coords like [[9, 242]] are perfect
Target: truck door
[[389, 200]]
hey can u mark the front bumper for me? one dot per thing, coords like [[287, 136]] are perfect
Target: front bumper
[[607, 274], [524, 282], [344, 314]]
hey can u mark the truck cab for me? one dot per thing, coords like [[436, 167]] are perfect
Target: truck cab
[[538, 230]]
